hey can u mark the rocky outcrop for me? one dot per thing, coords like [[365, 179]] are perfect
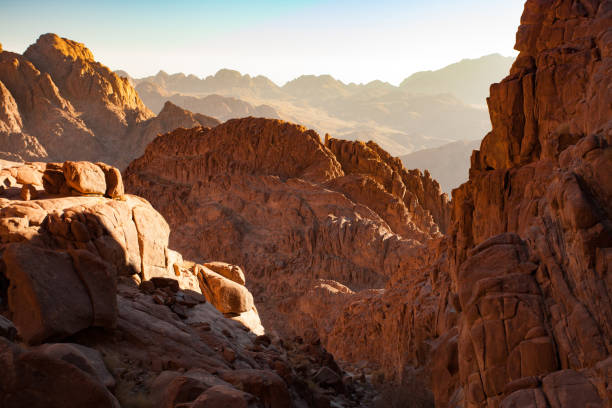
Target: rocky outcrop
[[269, 196], [514, 307], [418, 202], [136, 324], [511, 309], [537, 210], [57, 103], [14, 144]]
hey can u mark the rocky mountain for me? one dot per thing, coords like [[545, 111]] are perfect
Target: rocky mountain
[[504, 303], [468, 80], [104, 314], [448, 164], [291, 209], [400, 119], [513, 307], [58, 103], [362, 273]]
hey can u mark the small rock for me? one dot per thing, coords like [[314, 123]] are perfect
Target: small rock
[[28, 192], [229, 355], [159, 299], [7, 329], [114, 182], [263, 340], [147, 286], [179, 310], [326, 376], [169, 283]]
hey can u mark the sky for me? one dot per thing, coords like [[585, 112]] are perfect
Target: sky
[[354, 41]]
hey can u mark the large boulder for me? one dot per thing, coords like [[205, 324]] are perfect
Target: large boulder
[[231, 272], [114, 182], [265, 385], [46, 297], [86, 359], [222, 396], [100, 279], [36, 380], [85, 177], [226, 295], [153, 234]]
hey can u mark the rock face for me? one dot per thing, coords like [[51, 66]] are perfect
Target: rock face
[[419, 202], [269, 196], [537, 210], [514, 307], [57, 103], [144, 326]]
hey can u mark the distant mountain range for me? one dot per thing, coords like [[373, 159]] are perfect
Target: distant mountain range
[[429, 109], [468, 80]]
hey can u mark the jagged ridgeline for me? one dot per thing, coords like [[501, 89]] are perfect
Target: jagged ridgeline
[[322, 272]]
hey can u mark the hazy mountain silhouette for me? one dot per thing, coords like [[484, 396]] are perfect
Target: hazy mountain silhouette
[[220, 107], [469, 80], [224, 81], [401, 119]]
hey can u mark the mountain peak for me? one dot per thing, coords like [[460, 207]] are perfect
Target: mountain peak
[[225, 73], [172, 109], [52, 43]]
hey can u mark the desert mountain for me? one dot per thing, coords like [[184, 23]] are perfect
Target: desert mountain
[[58, 103], [223, 82], [361, 273], [292, 209], [448, 164], [400, 119], [217, 106], [498, 299], [468, 80]]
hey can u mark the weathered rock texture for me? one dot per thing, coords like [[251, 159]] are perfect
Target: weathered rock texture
[[57, 103], [511, 309], [514, 309], [136, 324], [269, 196], [532, 234]]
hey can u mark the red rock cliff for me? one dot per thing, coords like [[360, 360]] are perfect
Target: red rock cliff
[[535, 300]]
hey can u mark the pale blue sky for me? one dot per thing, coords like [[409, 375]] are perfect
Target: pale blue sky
[[355, 41]]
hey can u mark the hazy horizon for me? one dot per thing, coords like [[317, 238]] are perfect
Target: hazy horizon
[[353, 42], [212, 74]]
